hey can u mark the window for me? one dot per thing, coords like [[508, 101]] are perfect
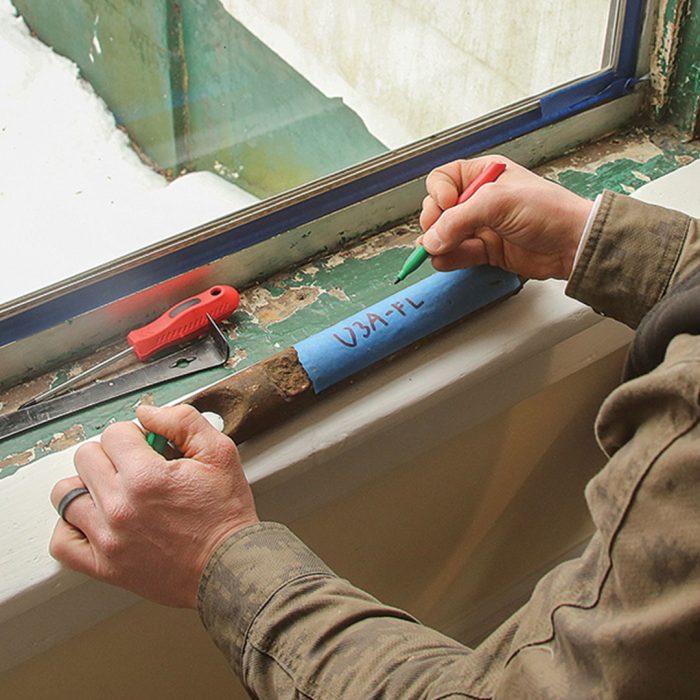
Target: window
[[207, 126]]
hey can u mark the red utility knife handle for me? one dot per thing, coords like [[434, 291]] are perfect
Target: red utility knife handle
[[184, 321], [490, 174]]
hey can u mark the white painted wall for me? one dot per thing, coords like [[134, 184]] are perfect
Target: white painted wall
[[411, 68]]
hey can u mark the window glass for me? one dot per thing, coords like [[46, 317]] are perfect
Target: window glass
[[124, 124], [410, 69]]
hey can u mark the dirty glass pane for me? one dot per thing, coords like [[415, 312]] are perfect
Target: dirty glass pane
[[125, 123]]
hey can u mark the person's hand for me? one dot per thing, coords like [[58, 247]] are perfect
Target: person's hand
[[521, 223], [150, 524]]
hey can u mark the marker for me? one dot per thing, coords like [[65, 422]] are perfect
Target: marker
[[420, 254]]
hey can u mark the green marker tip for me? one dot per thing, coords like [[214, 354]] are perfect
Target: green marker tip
[[417, 257]]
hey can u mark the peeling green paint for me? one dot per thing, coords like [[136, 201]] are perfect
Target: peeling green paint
[[622, 162], [664, 52], [675, 70], [623, 175]]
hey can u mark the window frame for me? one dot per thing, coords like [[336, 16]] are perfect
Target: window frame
[[170, 264]]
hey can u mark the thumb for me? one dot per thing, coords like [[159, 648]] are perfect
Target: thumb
[[186, 428]]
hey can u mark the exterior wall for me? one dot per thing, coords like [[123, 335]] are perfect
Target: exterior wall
[[411, 68], [197, 91], [272, 95]]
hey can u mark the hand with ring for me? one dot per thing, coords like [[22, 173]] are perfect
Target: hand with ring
[[137, 520]]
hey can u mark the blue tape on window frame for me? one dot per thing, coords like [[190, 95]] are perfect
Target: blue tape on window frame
[[558, 105]]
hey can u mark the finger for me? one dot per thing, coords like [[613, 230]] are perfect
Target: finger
[[189, 431], [446, 183], [430, 213], [471, 252], [95, 469], [125, 446], [70, 547], [79, 512], [443, 185]]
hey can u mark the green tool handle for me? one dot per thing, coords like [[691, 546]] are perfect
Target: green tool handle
[[160, 444], [157, 442]]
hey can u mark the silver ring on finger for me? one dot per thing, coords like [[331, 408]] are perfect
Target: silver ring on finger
[[68, 499]]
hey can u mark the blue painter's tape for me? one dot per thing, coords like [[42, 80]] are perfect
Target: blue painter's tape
[[380, 330]]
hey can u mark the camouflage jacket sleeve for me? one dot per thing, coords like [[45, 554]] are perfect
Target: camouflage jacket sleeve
[[633, 253], [290, 628]]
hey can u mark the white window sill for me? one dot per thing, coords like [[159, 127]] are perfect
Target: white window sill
[[497, 358]]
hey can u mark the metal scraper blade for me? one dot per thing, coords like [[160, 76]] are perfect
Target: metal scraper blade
[[210, 351]]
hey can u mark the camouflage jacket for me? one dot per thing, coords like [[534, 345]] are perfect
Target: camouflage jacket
[[622, 620]]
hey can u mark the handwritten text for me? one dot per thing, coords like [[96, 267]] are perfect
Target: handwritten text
[[373, 322]]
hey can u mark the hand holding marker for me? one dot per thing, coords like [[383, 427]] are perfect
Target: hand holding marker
[[420, 254]]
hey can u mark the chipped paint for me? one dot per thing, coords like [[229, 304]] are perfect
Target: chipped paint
[[229, 329], [310, 269], [675, 70], [146, 399], [591, 158], [623, 162], [338, 293], [236, 357], [12, 462], [372, 247], [70, 437], [59, 441], [684, 98], [663, 55], [267, 309]]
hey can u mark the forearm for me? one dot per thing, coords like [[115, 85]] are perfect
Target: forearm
[[288, 625], [633, 253]]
